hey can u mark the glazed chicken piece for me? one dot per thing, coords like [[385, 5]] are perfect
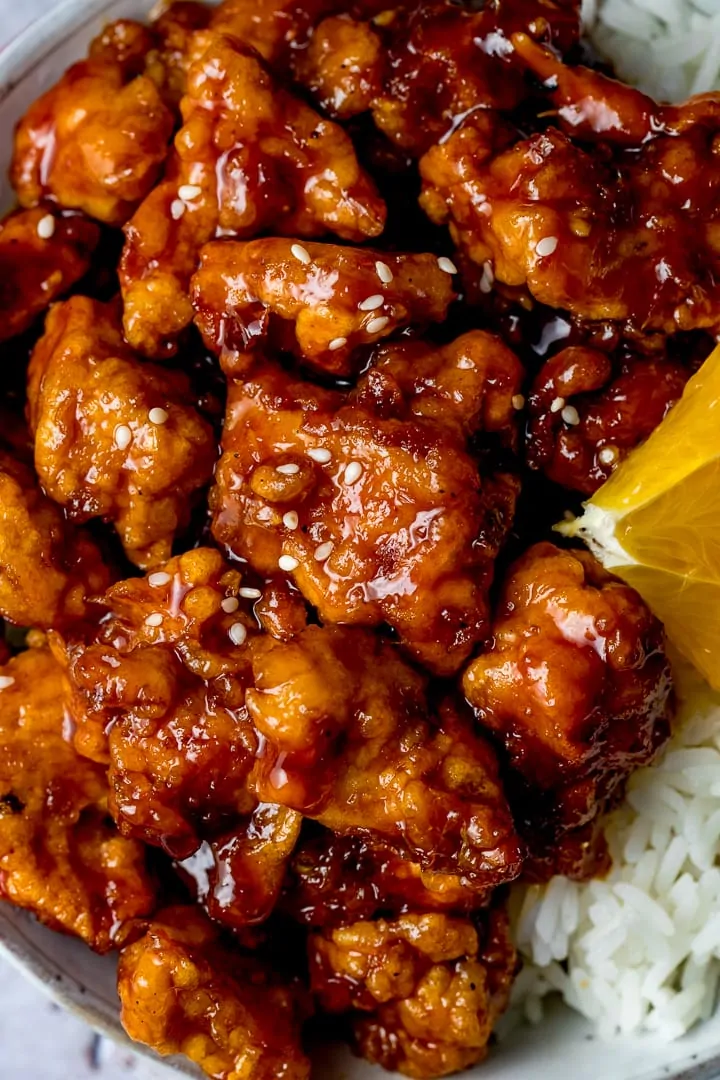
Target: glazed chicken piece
[[48, 568], [178, 41], [182, 990], [425, 990], [98, 139], [41, 257], [588, 412], [373, 501], [577, 687], [249, 156], [115, 438], [60, 856], [349, 738]]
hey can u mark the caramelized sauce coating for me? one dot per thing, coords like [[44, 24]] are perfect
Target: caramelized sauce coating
[[184, 991], [576, 685], [114, 437], [343, 66], [373, 501], [176, 28], [60, 856], [432, 987], [317, 300], [249, 156]]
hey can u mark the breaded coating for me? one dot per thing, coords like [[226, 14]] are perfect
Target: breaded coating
[[184, 991], [349, 737], [48, 568], [249, 156], [60, 856], [432, 987], [115, 438], [577, 686], [343, 66], [41, 257], [374, 501], [98, 139], [587, 412]]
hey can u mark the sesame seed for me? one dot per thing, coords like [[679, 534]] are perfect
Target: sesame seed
[[337, 343], [487, 279], [123, 436], [46, 227], [288, 470], [156, 581], [154, 620], [287, 562], [157, 416], [371, 303], [376, 326], [518, 401], [237, 633], [189, 191], [447, 265], [353, 472], [570, 415], [301, 253], [6, 681], [320, 454], [608, 455], [557, 404], [177, 209], [324, 551], [250, 594], [230, 604], [290, 520], [384, 272], [546, 246]]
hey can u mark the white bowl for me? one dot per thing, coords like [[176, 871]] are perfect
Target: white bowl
[[563, 1045]]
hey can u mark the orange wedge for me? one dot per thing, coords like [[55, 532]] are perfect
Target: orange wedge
[[656, 522]]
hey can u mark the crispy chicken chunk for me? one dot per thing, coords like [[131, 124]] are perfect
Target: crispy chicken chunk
[[432, 987], [60, 856], [178, 42], [97, 140], [576, 686], [349, 738], [41, 257], [114, 437], [249, 156], [373, 501], [184, 991]]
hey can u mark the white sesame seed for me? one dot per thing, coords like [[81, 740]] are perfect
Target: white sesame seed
[[290, 520], [301, 253], [447, 265], [157, 416], [154, 620], [570, 415], [487, 279], [320, 454], [518, 401], [6, 681], [177, 209], [250, 594], [353, 472], [371, 303], [123, 436], [156, 581], [384, 272], [324, 551], [608, 455], [237, 633], [46, 227], [337, 343], [230, 604], [557, 404], [287, 562], [187, 192], [288, 470], [546, 246], [376, 326]]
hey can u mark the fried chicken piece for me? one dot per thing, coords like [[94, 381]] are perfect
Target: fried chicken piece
[[577, 686], [48, 568], [343, 66], [373, 501], [250, 156], [432, 987], [60, 856], [184, 991], [41, 257], [114, 437], [97, 140], [319, 301], [178, 42], [587, 413], [348, 738]]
